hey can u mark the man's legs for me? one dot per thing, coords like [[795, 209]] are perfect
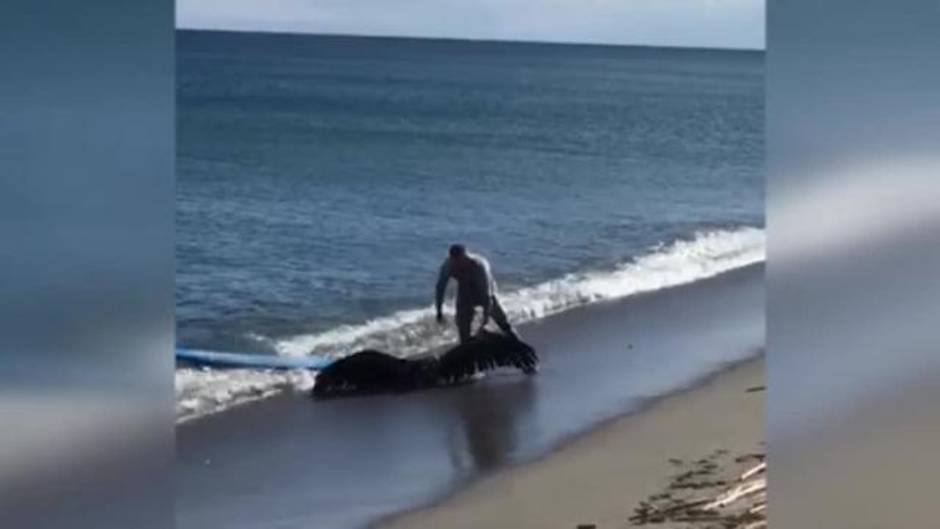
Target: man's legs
[[465, 313], [499, 316]]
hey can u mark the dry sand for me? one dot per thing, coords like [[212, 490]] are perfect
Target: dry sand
[[602, 476]]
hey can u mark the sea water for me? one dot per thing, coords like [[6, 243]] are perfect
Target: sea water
[[322, 179]]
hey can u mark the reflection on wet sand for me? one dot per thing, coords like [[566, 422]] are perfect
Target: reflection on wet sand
[[489, 419]]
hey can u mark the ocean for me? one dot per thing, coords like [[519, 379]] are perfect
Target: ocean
[[320, 180]]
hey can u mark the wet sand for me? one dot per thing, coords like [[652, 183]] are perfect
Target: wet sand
[[289, 462], [602, 476]]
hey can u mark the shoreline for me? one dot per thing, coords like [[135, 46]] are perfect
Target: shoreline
[[500, 499], [343, 464], [412, 331]]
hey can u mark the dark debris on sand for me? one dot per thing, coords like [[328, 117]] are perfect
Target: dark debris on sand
[[710, 493]]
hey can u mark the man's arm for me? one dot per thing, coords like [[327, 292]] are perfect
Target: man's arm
[[441, 286]]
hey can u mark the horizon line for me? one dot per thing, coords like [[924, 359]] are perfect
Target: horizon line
[[470, 39]]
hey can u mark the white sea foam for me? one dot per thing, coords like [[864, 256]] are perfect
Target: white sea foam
[[200, 391], [404, 333]]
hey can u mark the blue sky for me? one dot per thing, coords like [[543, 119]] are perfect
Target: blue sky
[[705, 23]]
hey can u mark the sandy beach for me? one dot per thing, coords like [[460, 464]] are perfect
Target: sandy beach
[[602, 476], [643, 362]]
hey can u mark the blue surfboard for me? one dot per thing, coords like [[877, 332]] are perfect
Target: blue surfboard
[[249, 360]]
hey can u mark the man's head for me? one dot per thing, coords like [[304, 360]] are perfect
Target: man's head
[[457, 252], [459, 261]]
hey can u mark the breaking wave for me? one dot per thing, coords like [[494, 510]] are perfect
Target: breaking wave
[[409, 332]]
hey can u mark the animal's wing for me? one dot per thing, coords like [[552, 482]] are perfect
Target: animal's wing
[[473, 357]]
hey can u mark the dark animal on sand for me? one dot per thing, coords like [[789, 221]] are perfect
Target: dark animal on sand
[[371, 371]]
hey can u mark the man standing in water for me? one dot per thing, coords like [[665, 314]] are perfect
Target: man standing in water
[[475, 288]]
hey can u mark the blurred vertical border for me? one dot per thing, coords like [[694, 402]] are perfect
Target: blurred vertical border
[[853, 135], [86, 263]]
